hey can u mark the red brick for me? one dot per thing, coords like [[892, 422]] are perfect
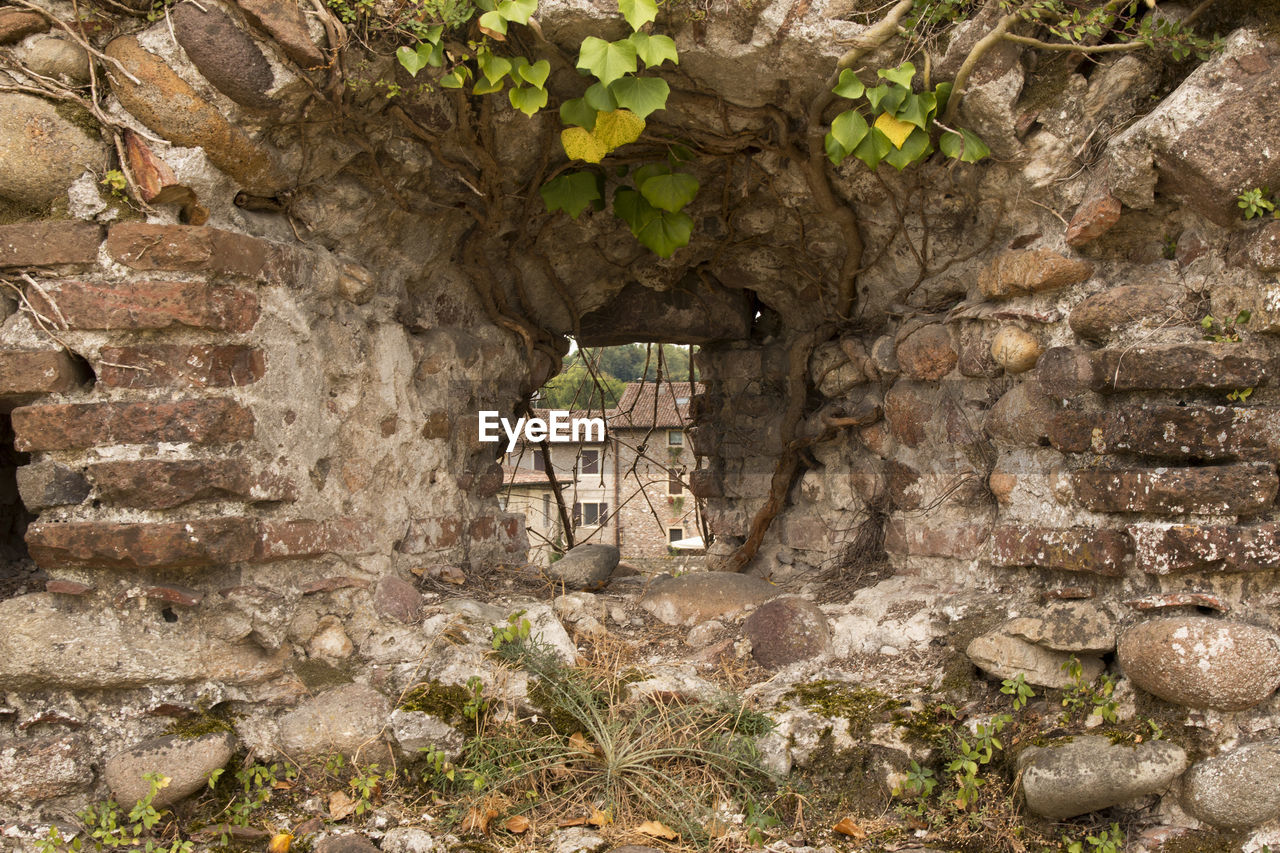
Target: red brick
[[111, 545], [1101, 552], [26, 373], [1240, 489], [161, 484], [481, 528], [290, 539], [179, 595], [1093, 218], [428, 533], [193, 248], [146, 305], [923, 537], [161, 366], [42, 244], [69, 426], [1207, 548], [1206, 432], [67, 587]]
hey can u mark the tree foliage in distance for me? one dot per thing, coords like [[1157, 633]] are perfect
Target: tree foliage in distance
[[575, 388]]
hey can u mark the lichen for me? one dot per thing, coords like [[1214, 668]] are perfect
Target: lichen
[[861, 706]]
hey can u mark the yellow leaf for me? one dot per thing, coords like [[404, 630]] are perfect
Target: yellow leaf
[[280, 843], [517, 824], [581, 145], [849, 828], [477, 820], [578, 741], [617, 128], [599, 818], [657, 830], [897, 131], [341, 806]]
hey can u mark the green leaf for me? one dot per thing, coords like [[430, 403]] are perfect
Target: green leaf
[[650, 170], [641, 95], [914, 148], [633, 209], [655, 50], [943, 93], [638, 12], [600, 99], [835, 151], [915, 109], [484, 87], [413, 60], [528, 99], [536, 74], [901, 75], [849, 86], [455, 79], [572, 192], [966, 146], [494, 25], [873, 148], [493, 67], [577, 112], [517, 10], [848, 128], [669, 192], [433, 33], [608, 60], [666, 232]]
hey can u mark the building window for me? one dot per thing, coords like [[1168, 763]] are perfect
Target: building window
[[589, 462], [674, 486], [674, 534], [590, 514], [675, 438], [539, 461]]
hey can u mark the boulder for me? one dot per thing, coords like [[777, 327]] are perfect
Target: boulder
[[284, 20], [187, 762], [55, 56], [346, 844], [1016, 350], [1090, 772], [1200, 662], [1237, 789], [41, 152], [786, 630], [1021, 417], [225, 54], [585, 567], [346, 720], [397, 599], [410, 839], [417, 730], [1025, 271], [1004, 655], [698, 597], [926, 352]]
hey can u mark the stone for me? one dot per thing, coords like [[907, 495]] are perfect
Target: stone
[[1015, 349], [346, 720], [1232, 489], [1204, 432], [1103, 314], [169, 106], [1065, 373], [16, 24], [42, 244], [787, 630], [331, 642], [1090, 773], [147, 305], [1161, 601], [1175, 367], [186, 761], [926, 352], [346, 844], [1021, 416], [48, 646], [1074, 627], [1004, 655], [410, 839], [164, 484], [57, 57], [67, 426], [694, 598], [288, 539], [1094, 217], [696, 310], [1262, 248], [415, 731], [36, 769], [397, 599], [908, 408], [225, 54], [30, 373], [187, 248], [1096, 551], [283, 19], [584, 566], [45, 484], [1169, 549], [169, 365], [1235, 790], [142, 545], [833, 373], [932, 537], [1201, 662], [1025, 271], [976, 360], [42, 153]]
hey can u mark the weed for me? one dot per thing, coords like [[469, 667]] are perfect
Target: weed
[[108, 827], [1257, 202], [1082, 698], [1018, 688]]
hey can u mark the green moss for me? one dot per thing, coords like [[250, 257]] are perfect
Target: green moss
[[550, 709], [443, 701], [1206, 841], [318, 675], [930, 727], [199, 725], [850, 781], [861, 706], [80, 117]]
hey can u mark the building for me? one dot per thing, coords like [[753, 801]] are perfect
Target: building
[[630, 490]]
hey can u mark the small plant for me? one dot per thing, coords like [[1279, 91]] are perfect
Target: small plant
[[1018, 688], [516, 631], [1107, 841], [115, 182], [1257, 202], [1082, 698], [1224, 331], [108, 827], [367, 786], [475, 704]]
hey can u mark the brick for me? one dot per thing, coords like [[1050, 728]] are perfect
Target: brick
[[279, 539], [29, 373], [161, 366], [164, 484], [1161, 601], [1097, 317], [1078, 549], [67, 587], [1163, 550], [192, 248], [164, 545], [1236, 489], [922, 537], [70, 426], [425, 534], [1093, 218], [179, 595], [1204, 432], [47, 484], [146, 305], [1178, 367], [43, 244]]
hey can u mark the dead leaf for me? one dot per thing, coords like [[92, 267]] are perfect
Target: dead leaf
[[571, 821], [341, 806], [282, 785], [657, 830], [578, 741], [599, 818], [849, 828], [309, 826], [280, 843], [477, 820], [517, 824]]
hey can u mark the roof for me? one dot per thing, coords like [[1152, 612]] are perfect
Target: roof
[[524, 477], [648, 405]]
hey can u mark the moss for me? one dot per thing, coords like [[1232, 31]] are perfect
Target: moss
[[930, 727], [443, 701], [318, 675], [551, 711], [80, 117], [861, 706], [1206, 841], [851, 780], [199, 725]]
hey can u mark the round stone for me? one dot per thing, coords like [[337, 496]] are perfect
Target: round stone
[[186, 762], [1236, 789], [787, 630], [41, 152], [1016, 350]]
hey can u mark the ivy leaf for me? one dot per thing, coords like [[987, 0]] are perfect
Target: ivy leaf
[[896, 131], [527, 99], [608, 60], [873, 148], [455, 79], [577, 112], [600, 99], [901, 75], [966, 146], [494, 25], [943, 93], [641, 95], [655, 50], [493, 67], [667, 232], [572, 192], [669, 192], [412, 60], [638, 12], [580, 144], [633, 209], [835, 151], [646, 172], [849, 86], [618, 128], [914, 148], [536, 74], [517, 10], [484, 87], [915, 109], [848, 128]]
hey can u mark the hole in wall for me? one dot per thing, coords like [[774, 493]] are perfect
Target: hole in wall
[[18, 574]]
